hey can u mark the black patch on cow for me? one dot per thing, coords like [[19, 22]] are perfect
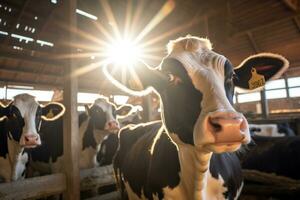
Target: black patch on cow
[[181, 102], [51, 134], [108, 148], [145, 172], [228, 166], [3, 140], [229, 78], [279, 155], [15, 123]]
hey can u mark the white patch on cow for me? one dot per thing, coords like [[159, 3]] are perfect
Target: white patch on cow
[[270, 130], [239, 192], [133, 196], [196, 182], [14, 165], [194, 166], [215, 188], [27, 106]]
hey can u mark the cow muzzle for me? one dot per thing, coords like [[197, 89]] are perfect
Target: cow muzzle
[[30, 140], [227, 128], [112, 126]]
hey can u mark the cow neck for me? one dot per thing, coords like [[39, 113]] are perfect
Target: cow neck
[[194, 168], [14, 155]]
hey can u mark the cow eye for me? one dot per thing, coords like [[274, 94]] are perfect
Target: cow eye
[[173, 79]]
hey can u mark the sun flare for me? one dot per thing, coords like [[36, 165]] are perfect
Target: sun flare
[[124, 52]]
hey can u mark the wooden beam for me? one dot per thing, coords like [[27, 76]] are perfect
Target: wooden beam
[[96, 177], [71, 135], [17, 19], [264, 25], [253, 43], [37, 59], [28, 71], [33, 187], [291, 4], [297, 22], [109, 196]]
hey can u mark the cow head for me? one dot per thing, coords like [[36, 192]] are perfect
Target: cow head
[[23, 117], [196, 87], [103, 114]]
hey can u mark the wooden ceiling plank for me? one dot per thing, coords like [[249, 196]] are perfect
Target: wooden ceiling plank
[[17, 19], [253, 42]]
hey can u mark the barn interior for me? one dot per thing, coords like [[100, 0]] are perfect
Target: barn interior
[[52, 46]]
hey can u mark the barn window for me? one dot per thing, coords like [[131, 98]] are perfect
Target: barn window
[[294, 92], [120, 99], [242, 98], [294, 86], [80, 108], [83, 97], [2, 92], [41, 95], [276, 89], [276, 84], [276, 94]]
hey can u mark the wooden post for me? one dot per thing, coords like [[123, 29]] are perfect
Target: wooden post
[[264, 104], [147, 106], [71, 135]]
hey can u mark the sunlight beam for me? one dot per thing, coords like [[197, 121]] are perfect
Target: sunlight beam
[[111, 18], [166, 9], [171, 32]]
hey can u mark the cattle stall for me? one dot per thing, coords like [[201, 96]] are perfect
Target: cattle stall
[[170, 73]]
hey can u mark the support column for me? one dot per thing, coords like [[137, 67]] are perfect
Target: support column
[[264, 104], [71, 135], [147, 108]]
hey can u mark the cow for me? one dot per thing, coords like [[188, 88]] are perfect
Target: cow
[[271, 130], [277, 155], [98, 121], [133, 117], [190, 155], [109, 144], [20, 123]]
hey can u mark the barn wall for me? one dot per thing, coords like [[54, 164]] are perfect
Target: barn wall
[[274, 104]]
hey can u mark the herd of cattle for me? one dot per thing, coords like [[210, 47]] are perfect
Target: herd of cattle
[[191, 153]]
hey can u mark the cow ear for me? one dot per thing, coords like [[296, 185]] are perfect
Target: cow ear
[[4, 110], [52, 111], [256, 70], [136, 80], [124, 110]]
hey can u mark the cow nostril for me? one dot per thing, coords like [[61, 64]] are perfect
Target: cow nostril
[[26, 139], [214, 125]]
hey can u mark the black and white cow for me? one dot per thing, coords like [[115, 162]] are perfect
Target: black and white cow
[[189, 155], [109, 144], [98, 120], [20, 123], [133, 117]]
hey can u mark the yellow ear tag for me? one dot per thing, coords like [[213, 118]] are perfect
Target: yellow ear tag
[[256, 80], [50, 114]]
